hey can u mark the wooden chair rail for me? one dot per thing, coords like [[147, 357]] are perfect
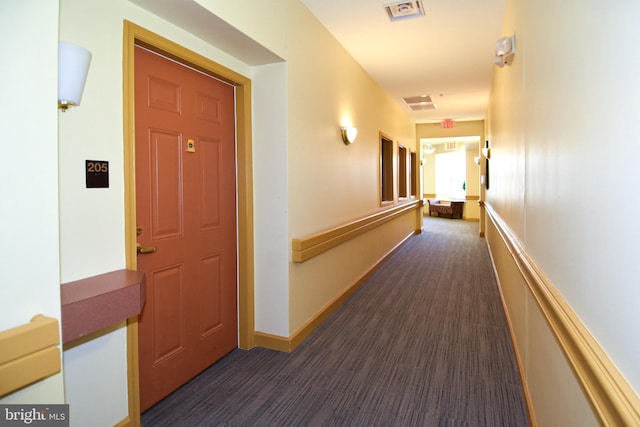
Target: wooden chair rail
[[304, 249], [610, 395], [29, 353]]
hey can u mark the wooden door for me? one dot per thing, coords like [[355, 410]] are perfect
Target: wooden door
[[186, 218]]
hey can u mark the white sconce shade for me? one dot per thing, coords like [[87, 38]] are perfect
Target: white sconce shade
[[349, 134], [503, 46], [505, 49], [428, 149], [73, 66]]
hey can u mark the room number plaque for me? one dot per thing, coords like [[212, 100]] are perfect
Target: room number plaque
[[97, 172]]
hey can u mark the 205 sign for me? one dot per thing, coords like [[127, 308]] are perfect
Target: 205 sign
[[97, 173]]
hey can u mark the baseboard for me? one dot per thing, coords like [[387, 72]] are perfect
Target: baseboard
[[125, 423], [289, 344], [272, 342]]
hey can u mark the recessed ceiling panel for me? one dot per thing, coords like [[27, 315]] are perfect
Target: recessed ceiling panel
[[417, 99], [404, 10]]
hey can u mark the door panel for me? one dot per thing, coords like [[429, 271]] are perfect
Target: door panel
[[166, 183], [211, 192], [210, 295], [163, 95], [186, 210], [168, 306]]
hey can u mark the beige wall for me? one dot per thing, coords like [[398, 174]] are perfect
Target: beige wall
[[548, 166], [471, 207], [331, 183], [461, 128]]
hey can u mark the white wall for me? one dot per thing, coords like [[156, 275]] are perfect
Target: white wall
[[565, 149], [262, 21], [271, 215], [29, 263]]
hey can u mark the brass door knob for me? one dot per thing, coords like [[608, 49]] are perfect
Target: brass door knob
[[145, 249]]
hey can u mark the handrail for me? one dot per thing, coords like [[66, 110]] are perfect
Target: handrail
[[29, 353], [613, 399], [304, 249]]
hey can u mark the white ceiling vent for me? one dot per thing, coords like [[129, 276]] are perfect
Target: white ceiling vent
[[419, 103], [404, 10]]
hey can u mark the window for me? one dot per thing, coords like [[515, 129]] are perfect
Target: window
[[451, 175], [402, 172], [414, 167], [386, 169]]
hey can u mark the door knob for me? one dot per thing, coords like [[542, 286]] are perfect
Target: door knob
[[145, 249]]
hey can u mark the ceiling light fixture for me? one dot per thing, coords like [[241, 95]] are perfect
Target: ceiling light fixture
[[428, 149]]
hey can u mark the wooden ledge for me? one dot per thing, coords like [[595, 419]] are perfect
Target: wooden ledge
[[308, 247], [97, 302]]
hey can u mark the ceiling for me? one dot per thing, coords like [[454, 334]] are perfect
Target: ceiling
[[447, 53]]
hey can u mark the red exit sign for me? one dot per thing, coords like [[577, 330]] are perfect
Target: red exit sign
[[447, 124]]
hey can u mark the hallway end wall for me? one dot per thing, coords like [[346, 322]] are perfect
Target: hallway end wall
[[473, 128]]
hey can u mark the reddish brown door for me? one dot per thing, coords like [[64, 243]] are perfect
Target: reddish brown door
[[186, 210]]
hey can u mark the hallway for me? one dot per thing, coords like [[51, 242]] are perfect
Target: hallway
[[424, 342]]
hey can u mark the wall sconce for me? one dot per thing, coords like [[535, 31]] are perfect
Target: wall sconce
[[428, 149], [73, 66], [477, 160], [486, 152], [505, 49], [349, 134]]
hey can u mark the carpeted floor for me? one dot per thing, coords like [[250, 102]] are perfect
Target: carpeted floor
[[424, 342]]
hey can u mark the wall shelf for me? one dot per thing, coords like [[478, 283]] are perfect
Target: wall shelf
[[97, 302]]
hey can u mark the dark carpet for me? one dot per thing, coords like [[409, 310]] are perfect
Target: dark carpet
[[424, 342]]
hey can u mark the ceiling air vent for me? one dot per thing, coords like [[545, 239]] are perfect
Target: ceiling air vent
[[404, 10], [419, 103]]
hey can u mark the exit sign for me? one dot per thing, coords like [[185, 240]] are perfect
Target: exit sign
[[447, 124]]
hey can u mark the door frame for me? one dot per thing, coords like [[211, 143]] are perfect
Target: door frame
[[135, 35]]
